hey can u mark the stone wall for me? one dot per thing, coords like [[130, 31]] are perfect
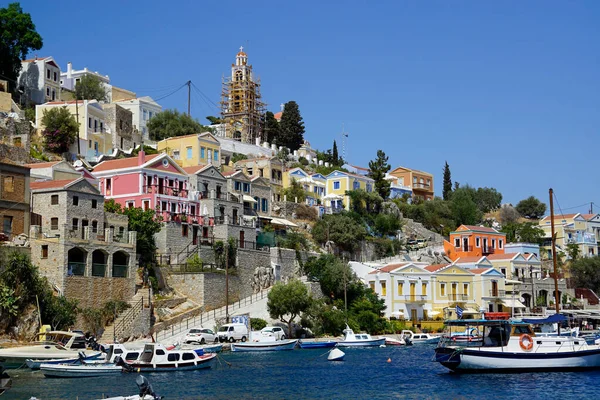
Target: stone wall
[[248, 261], [95, 291], [225, 231], [17, 134], [5, 102], [286, 260], [170, 240], [206, 289]]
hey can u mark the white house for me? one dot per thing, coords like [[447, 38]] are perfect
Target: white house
[[39, 80], [69, 79], [142, 109]]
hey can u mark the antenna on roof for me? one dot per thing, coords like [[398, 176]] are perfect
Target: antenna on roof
[[344, 137]]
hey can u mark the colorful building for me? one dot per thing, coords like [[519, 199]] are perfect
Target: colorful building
[[420, 182], [192, 150], [582, 230], [339, 182], [314, 184], [40, 79], [474, 241], [270, 168]]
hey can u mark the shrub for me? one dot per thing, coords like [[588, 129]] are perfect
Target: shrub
[[256, 324], [306, 212]]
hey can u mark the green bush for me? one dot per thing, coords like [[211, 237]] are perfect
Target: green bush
[[256, 324]]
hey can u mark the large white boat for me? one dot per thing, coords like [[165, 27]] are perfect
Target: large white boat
[[79, 370], [352, 339], [156, 358], [56, 345], [265, 344], [514, 347]]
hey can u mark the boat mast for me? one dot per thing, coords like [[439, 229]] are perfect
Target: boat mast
[[554, 262]]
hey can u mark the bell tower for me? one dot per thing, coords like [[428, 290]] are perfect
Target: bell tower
[[241, 105]]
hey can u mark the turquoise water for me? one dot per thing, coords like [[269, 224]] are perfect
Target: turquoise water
[[306, 374]]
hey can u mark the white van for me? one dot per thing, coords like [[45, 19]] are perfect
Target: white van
[[233, 332]]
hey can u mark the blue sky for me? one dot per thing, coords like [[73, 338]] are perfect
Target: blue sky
[[507, 92]]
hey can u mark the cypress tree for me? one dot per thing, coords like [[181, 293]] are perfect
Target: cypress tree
[[377, 170], [291, 127], [335, 158], [271, 131], [447, 191]]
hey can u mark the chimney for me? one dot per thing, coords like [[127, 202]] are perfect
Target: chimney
[[141, 156], [69, 70]]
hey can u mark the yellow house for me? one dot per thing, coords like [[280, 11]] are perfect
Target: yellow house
[[313, 184], [94, 139], [452, 286], [192, 150], [580, 229], [339, 182]]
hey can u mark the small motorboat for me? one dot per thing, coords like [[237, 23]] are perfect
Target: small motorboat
[[146, 391], [317, 345], [35, 364], [359, 339], [114, 350], [157, 358], [425, 338], [79, 370], [206, 348], [390, 341], [265, 344], [336, 355]]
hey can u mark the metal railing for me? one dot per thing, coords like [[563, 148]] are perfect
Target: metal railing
[[414, 298], [76, 268], [488, 250], [498, 293], [458, 297], [200, 319], [124, 320], [98, 269], [120, 271]]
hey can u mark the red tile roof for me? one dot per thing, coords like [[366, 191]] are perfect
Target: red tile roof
[[389, 268], [193, 169], [588, 216], [35, 59], [42, 165], [479, 271], [121, 163], [560, 216], [481, 229], [507, 256], [471, 259], [436, 267], [60, 184], [278, 115], [361, 168]]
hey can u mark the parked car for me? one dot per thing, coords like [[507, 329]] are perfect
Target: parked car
[[233, 332], [201, 336], [274, 331]]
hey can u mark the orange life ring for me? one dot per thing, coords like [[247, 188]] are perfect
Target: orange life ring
[[526, 342]]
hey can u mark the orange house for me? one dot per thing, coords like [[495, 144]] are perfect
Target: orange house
[[474, 241]]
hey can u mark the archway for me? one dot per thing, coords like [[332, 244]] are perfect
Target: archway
[[120, 264], [76, 261], [542, 299], [99, 261], [527, 300]]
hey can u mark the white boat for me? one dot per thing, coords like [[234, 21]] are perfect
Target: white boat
[[79, 370], [359, 339], [390, 341], [265, 344], [114, 350], [57, 344], [157, 358], [513, 347], [146, 391], [549, 326], [35, 364], [425, 338]]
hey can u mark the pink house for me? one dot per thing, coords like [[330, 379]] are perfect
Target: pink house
[[150, 182]]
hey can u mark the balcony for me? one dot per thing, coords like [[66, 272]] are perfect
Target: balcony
[[423, 186], [165, 190], [415, 298], [488, 250], [458, 297], [99, 270], [120, 271], [76, 268], [464, 248], [498, 293]]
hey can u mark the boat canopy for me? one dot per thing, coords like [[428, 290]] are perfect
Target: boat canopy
[[469, 322], [550, 320]]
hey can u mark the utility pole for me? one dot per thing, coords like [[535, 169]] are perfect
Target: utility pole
[[78, 126], [556, 299], [226, 282], [189, 85], [591, 207]]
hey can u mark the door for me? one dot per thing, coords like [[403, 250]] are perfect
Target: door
[[241, 239], [466, 244], [161, 184], [84, 223], [194, 235], [412, 291], [494, 289]]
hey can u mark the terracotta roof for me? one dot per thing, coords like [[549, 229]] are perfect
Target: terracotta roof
[[60, 184], [478, 271], [588, 216], [35, 59], [480, 228], [470, 259], [506, 256], [389, 268], [278, 115], [560, 216], [229, 173], [121, 163], [193, 169], [42, 164], [436, 267], [65, 102]]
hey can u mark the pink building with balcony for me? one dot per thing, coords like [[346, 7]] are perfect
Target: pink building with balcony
[[151, 182]]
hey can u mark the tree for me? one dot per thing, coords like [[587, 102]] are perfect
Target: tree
[[112, 206], [573, 251], [238, 157], [271, 130], [295, 192], [344, 231], [334, 154], [510, 228], [487, 199], [60, 129], [386, 225], [447, 191], [531, 208], [464, 209], [171, 123], [508, 214], [214, 120], [286, 302], [146, 223], [291, 133], [377, 170], [586, 273], [529, 232], [90, 87], [17, 38]]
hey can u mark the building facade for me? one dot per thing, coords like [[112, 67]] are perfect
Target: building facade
[[14, 200], [474, 241], [339, 182], [119, 122], [582, 230], [39, 80], [420, 182], [142, 110], [70, 78], [192, 150], [269, 168]]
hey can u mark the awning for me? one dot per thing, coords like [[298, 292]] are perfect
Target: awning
[[284, 222], [512, 282], [513, 303], [470, 311], [554, 318], [332, 196], [249, 199], [434, 313]]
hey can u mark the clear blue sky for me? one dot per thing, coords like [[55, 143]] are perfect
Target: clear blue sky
[[507, 92]]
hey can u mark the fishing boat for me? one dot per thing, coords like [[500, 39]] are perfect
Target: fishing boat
[[206, 348], [549, 326], [35, 364], [114, 350], [390, 341], [359, 339], [425, 338], [157, 358], [56, 345], [317, 345], [79, 370], [265, 345], [512, 346]]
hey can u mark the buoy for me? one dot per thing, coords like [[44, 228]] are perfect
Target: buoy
[[389, 360], [336, 355]]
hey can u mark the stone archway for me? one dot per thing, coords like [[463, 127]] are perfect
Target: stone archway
[[76, 261], [99, 263], [120, 264]]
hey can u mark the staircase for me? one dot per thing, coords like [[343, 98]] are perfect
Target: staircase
[[124, 325]]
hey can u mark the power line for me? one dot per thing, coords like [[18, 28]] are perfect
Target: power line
[[172, 93], [205, 96]]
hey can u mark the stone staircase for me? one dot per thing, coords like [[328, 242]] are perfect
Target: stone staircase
[[131, 321]]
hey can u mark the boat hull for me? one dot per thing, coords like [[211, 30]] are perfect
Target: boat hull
[[79, 371], [317, 345], [35, 364], [477, 361], [265, 346], [205, 361], [13, 359], [362, 343]]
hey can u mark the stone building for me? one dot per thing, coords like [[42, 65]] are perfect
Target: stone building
[[119, 121], [262, 194], [14, 199], [53, 170], [270, 168], [85, 253]]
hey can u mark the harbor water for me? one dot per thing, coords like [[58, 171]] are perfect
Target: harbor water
[[367, 373]]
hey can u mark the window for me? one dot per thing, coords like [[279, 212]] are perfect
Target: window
[[130, 204], [216, 155], [193, 210], [163, 206], [187, 356], [54, 199], [75, 200], [336, 185], [424, 288], [54, 223], [145, 114], [383, 289], [477, 240], [53, 94], [246, 187], [160, 352], [176, 155], [90, 143], [202, 152], [95, 226], [9, 184], [184, 230], [75, 223], [456, 242], [237, 186], [44, 251], [7, 227], [94, 203], [48, 92], [400, 288], [55, 76], [465, 288], [265, 205], [121, 125], [101, 126], [442, 289], [356, 185], [48, 73], [89, 122], [369, 188], [500, 243], [503, 270], [188, 152], [108, 186], [150, 114], [146, 204], [493, 243], [372, 285], [95, 125]]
